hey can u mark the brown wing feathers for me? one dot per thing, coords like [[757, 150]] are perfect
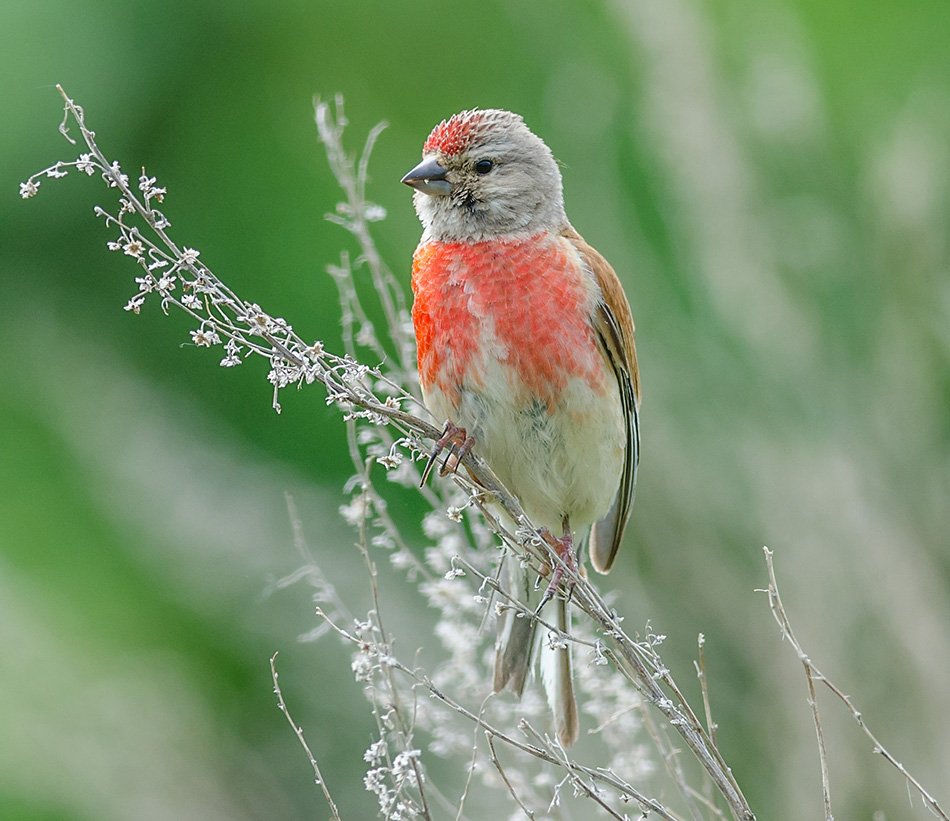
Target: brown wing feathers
[[614, 324]]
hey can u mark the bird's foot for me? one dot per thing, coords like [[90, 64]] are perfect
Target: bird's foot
[[459, 444], [564, 548]]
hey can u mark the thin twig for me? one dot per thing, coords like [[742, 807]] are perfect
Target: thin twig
[[813, 674], [670, 756], [711, 725], [471, 764], [298, 731], [490, 737]]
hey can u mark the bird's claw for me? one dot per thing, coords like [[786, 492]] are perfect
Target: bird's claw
[[459, 444]]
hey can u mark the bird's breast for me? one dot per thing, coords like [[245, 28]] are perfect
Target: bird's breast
[[523, 305]]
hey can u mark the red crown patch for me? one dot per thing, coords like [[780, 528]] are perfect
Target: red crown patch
[[453, 135]]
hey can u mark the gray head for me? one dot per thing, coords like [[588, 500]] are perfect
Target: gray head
[[485, 175]]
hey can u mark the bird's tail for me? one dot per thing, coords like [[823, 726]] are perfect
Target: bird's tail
[[557, 675], [514, 642], [514, 649]]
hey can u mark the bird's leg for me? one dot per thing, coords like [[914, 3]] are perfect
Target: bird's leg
[[458, 442], [564, 547]]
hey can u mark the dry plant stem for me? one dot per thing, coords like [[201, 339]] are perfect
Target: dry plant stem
[[711, 726], [471, 766], [298, 731], [813, 674], [822, 751], [775, 603], [350, 386], [670, 755], [353, 182], [706, 801], [325, 593], [504, 776]]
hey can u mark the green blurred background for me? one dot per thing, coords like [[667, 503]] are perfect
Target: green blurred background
[[769, 178]]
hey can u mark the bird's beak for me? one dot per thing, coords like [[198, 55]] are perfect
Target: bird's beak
[[429, 178]]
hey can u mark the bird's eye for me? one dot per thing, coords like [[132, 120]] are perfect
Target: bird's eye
[[484, 166]]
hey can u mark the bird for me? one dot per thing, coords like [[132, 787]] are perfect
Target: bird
[[525, 347]]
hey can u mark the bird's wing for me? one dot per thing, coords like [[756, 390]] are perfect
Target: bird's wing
[[613, 323]]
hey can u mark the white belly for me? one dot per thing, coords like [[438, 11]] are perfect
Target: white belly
[[561, 461]]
